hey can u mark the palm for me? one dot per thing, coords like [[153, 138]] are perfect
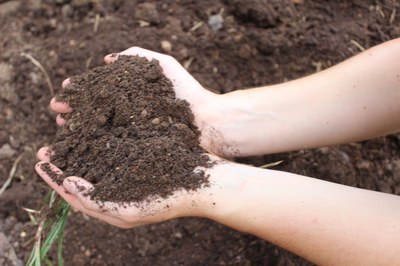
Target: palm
[[187, 88]]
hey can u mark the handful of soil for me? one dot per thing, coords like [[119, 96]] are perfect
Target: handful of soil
[[128, 134]]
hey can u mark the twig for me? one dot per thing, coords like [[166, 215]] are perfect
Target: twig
[[38, 238], [392, 16], [40, 66], [31, 216], [188, 62], [196, 26], [268, 165], [96, 23], [356, 44], [11, 175]]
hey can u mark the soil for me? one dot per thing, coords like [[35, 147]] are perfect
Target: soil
[[261, 42], [128, 134]]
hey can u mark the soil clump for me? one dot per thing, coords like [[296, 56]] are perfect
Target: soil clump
[[128, 134]]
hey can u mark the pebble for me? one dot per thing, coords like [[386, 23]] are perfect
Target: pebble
[[178, 235], [155, 121], [180, 126], [66, 11], [88, 253], [74, 126], [215, 22], [5, 72], [143, 113], [6, 151], [166, 46]]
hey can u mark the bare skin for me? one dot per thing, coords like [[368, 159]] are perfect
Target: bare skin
[[326, 223]]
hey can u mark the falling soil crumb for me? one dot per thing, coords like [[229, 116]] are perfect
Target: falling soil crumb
[[128, 134]]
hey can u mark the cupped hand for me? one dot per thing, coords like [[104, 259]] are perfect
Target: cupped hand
[[204, 105], [125, 215], [213, 115]]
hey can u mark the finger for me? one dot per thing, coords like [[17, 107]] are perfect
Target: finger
[[60, 107], [72, 199], [60, 121], [43, 168], [111, 58], [65, 82], [44, 154], [80, 188]]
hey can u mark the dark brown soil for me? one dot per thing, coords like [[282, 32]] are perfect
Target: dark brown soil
[[128, 134], [261, 42]]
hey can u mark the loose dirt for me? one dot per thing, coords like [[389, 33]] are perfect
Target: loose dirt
[[261, 42], [128, 134]]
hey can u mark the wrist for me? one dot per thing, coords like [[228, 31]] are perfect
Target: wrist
[[237, 125], [218, 201]]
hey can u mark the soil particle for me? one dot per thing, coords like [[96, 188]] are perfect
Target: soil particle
[[115, 138]]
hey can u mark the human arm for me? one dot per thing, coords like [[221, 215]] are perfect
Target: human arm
[[340, 236], [356, 100], [326, 223]]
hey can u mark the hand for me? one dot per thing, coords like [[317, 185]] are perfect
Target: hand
[[214, 116], [74, 189], [181, 202]]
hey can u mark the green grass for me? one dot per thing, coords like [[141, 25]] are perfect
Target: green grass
[[39, 252]]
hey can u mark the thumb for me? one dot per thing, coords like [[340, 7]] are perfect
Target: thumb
[[76, 185]]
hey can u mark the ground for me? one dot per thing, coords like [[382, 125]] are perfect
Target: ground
[[260, 42]]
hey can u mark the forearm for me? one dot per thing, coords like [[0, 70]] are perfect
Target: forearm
[[355, 100], [326, 223]]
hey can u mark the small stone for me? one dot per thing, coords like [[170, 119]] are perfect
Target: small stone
[[6, 151], [215, 22], [108, 145], [88, 253], [180, 126], [166, 46], [74, 126], [178, 235], [72, 43], [66, 11], [143, 113], [5, 72], [155, 121]]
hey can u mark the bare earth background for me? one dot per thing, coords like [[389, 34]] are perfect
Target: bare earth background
[[261, 42]]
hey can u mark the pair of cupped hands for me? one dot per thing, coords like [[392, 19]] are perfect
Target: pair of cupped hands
[[204, 104]]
